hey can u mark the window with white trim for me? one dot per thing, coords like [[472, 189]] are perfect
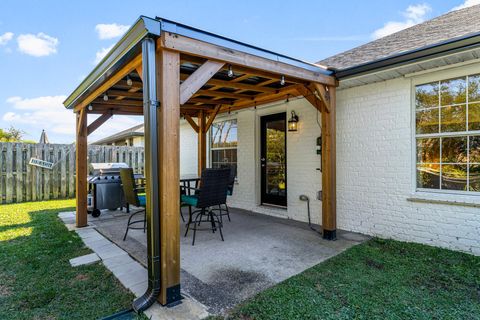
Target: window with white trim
[[224, 143], [447, 133]]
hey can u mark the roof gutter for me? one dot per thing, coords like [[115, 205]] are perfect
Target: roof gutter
[[428, 52], [128, 47]]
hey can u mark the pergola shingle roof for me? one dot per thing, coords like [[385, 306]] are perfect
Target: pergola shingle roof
[[455, 24]]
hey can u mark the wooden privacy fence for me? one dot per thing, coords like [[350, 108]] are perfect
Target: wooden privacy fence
[[21, 182]]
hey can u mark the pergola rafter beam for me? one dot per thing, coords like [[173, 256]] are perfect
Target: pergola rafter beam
[[215, 52], [119, 75], [198, 79], [99, 121]]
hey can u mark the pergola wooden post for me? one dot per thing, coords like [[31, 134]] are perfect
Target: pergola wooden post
[[168, 132], [202, 142], [81, 168], [329, 194]]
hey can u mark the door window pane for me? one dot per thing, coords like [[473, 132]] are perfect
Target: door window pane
[[426, 95], [454, 177], [427, 121], [275, 158], [453, 118], [453, 91], [454, 150]]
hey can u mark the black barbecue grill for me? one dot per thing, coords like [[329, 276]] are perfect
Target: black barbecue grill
[[105, 187]]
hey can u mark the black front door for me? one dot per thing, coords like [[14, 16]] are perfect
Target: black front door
[[273, 159]]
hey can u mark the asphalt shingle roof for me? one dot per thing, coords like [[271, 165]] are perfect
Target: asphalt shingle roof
[[449, 26]]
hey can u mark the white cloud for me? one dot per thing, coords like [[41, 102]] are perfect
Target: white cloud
[[34, 114], [110, 31], [37, 103], [101, 54], [466, 4], [414, 14], [38, 45], [5, 38], [39, 113]]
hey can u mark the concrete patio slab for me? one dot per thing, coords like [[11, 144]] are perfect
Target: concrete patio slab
[[258, 252], [130, 273]]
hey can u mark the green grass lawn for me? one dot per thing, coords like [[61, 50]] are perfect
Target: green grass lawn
[[380, 279], [36, 279]]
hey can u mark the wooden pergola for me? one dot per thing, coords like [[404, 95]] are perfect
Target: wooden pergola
[[164, 71]]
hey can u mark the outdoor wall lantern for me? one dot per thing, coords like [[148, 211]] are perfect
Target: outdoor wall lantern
[[293, 122]]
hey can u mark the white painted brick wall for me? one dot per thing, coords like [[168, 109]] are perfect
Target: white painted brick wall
[[188, 149], [374, 173], [302, 161]]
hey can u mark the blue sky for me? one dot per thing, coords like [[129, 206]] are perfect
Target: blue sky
[[47, 47]]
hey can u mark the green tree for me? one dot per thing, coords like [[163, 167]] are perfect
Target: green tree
[[11, 135]]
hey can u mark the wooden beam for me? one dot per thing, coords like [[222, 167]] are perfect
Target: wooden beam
[[139, 71], [228, 55], [128, 110], [125, 94], [192, 122], [198, 79], [81, 169], [310, 97], [222, 94], [98, 122], [202, 142], [135, 84], [212, 117], [234, 85], [323, 94], [329, 198], [168, 131], [131, 103], [249, 72], [262, 99], [119, 75], [209, 101]]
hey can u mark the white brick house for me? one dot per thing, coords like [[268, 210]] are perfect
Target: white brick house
[[379, 126]]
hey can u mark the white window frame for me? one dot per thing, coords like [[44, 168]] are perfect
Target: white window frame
[[441, 135], [209, 139]]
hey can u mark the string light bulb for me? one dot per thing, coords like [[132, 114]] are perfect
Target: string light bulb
[[90, 108], [282, 80], [230, 71], [129, 81], [105, 97]]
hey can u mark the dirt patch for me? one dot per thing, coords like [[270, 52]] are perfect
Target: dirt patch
[[374, 264], [5, 290], [81, 277]]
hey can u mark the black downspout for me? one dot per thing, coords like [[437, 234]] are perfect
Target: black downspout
[[151, 172]]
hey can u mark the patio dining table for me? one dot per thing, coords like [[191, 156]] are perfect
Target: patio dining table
[[186, 181]]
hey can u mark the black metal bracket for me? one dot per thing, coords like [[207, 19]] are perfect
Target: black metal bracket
[[329, 234]]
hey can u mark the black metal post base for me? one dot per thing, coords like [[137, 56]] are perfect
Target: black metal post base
[[173, 296], [329, 234]]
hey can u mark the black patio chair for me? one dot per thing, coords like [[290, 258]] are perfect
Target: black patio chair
[[133, 197], [212, 193], [231, 182]]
